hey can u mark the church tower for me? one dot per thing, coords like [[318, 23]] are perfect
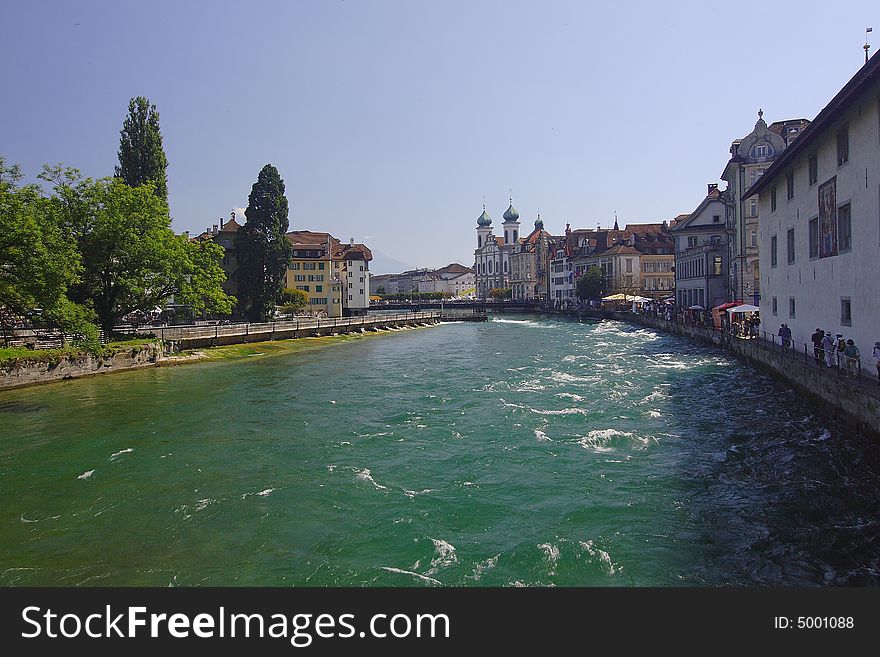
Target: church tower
[[511, 225]]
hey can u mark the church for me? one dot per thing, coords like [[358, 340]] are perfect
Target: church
[[492, 256]]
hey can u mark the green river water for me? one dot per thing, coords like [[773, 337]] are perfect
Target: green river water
[[521, 451]]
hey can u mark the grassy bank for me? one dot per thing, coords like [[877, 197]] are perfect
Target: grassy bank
[[15, 356]]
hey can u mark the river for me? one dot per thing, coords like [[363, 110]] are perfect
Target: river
[[521, 451]]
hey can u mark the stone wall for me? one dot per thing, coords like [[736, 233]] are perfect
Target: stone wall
[[28, 374]]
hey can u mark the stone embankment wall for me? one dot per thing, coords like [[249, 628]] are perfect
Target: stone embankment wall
[[854, 404], [32, 373]]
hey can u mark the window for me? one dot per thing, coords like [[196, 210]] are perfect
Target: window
[[790, 246], [692, 241], [299, 277], [761, 150], [629, 265], [844, 229], [716, 218], [843, 145], [754, 238], [773, 199], [361, 290], [814, 168], [753, 208], [319, 288], [789, 186], [845, 311], [295, 266], [814, 238], [775, 305], [304, 288], [773, 251], [791, 308], [320, 265], [716, 266]]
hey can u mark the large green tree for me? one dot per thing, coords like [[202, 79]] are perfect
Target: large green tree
[[591, 285], [262, 248], [141, 156], [131, 259], [39, 261]]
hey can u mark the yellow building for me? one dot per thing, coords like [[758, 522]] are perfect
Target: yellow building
[[313, 270]]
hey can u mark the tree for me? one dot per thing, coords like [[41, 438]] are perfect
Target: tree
[[500, 293], [380, 290], [591, 285], [141, 157], [262, 247], [38, 261], [292, 301], [131, 259]]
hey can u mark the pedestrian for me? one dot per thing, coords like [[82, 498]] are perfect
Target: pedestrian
[[876, 356], [828, 349], [852, 358], [841, 348], [816, 339]]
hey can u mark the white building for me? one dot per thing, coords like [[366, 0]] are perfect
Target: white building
[[454, 279], [701, 254], [492, 255], [820, 221], [355, 278], [749, 159], [562, 283]]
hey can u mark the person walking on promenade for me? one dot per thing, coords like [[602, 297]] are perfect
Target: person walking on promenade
[[828, 349], [816, 339], [876, 356], [852, 357], [784, 336], [841, 348]]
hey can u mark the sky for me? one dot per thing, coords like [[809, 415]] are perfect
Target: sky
[[390, 121]]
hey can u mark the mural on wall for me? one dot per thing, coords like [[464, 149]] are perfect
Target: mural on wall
[[828, 218]]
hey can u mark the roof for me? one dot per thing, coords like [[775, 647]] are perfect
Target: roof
[[230, 226], [868, 74], [454, 268], [621, 249]]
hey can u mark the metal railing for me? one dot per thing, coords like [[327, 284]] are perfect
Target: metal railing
[[270, 328]]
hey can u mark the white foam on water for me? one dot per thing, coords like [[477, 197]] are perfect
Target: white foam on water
[[569, 395], [483, 566], [551, 554], [825, 435], [564, 411], [565, 377], [540, 435], [87, 474], [365, 475], [520, 322], [445, 555], [413, 493], [128, 450], [201, 505], [603, 556], [424, 578], [655, 414], [266, 493], [331, 468], [597, 440], [332, 401]]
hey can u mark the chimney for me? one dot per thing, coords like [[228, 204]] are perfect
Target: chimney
[[713, 187], [214, 229]]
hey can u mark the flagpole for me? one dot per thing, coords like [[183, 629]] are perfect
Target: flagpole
[[867, 45]]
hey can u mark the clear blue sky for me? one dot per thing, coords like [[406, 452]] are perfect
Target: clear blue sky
[[390, 120]]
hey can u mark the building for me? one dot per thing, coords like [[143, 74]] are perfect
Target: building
[[453, 279], [335, 276], [820, 220], [224, 235], [383, 284], [492, 255], [637, 260], [529, 266], [562, 278], [749, 159], [701, 254]]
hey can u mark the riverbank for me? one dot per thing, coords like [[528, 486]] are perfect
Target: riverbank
[[843, 400], [43, 367]]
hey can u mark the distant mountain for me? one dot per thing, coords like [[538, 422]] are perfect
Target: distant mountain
[[385, 264]]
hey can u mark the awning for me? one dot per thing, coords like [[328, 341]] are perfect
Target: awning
[[725, 306], [696, 307], [626, 297], [745, 308]]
